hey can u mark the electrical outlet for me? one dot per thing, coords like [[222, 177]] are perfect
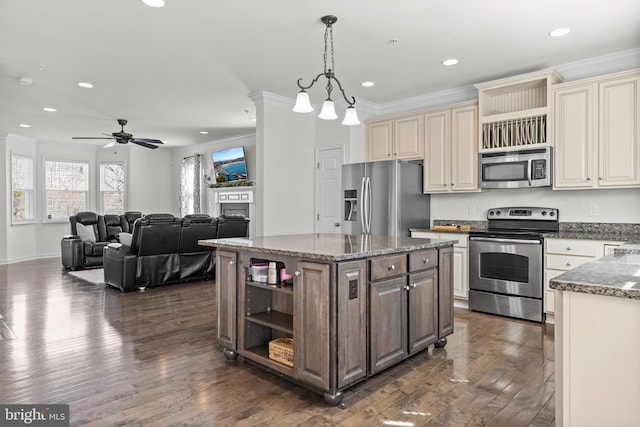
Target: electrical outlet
[[593, 209]]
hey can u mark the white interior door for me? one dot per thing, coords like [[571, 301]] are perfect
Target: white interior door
[[328, 190]]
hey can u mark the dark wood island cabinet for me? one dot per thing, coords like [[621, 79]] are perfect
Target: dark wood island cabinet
[[353, 305]]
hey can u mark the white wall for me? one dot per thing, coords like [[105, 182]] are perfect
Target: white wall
[[285, 148], [617, 206], [4, 195]]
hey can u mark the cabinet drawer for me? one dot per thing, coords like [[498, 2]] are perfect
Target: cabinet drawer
[[572, 247], [566, 262], [388, 266], [423, 260]]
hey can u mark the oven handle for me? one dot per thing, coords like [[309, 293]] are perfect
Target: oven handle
[[491, 239], [529, 171]]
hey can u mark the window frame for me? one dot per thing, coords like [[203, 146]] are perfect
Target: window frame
[[31, 193], [45, 189], [100, 193]]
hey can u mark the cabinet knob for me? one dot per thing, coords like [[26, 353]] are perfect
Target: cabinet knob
[[392, 267], [425, 260], [568, 248], [588, 179], [406, 288], [297, 273], [413, 285], [568, 264], [600, 178], [232, 262]]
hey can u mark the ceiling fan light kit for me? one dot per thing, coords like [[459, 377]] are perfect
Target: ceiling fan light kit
[[303, 105], [123, 137]]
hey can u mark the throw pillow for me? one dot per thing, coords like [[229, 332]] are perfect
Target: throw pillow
[[125, 238], [86, 232]]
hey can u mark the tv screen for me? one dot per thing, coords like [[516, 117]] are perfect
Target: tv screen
[[229, 165]]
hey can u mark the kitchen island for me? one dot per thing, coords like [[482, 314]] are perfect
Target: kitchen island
[[352, 305], [597, 341]]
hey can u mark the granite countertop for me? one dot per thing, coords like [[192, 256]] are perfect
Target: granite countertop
[[329, 246], [622, 232], [616, 275]]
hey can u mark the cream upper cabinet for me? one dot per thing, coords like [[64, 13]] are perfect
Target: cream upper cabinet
[[400, 138], [596, 132], [451, 149]]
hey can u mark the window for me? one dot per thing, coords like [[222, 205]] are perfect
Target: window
[[190, 185], [66, 189], [22, 209], [112, 188]]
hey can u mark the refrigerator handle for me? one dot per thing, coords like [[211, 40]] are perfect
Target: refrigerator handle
[[362, 203], [368, 205]]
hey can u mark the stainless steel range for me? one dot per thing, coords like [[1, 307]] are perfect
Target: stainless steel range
[[506, 262]]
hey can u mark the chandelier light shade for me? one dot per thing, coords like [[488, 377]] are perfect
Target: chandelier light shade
[[303, 104]]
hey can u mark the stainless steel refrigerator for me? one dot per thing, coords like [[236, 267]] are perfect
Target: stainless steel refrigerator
[[384, 198]]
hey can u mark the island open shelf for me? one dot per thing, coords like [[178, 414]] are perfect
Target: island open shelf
[[356, 306]]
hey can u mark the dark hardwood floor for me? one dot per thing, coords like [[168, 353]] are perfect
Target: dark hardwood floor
[[151, 359]]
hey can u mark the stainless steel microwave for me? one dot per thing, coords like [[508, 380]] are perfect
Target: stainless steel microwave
[[516, 169]]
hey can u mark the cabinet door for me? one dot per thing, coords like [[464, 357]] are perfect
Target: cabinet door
[[379, 141], [445, 292], [575, 121], [437, 154], [464, 148], [388, 323], [311, 324], [423, 309], [352, 322], [619, 148], [226, 284], [408, 142]]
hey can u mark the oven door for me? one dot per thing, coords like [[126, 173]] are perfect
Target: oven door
[[506, 266]]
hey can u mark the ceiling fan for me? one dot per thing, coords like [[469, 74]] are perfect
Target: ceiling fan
[[123, 137]]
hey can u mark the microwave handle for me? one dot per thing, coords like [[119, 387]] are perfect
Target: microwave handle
[[529, 170]]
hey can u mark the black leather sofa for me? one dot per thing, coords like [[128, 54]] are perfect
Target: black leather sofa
[[164, 250], [84, 247]]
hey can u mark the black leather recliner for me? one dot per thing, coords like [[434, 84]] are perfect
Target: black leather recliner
[[115, 224], [196, 260], [84, 248], [129, 219], [232, 226]]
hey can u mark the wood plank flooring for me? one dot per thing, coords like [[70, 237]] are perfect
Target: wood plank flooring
[[151, 359]]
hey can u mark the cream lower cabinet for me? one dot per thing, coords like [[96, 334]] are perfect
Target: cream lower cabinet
[[566, 254], [401, 138], [451, 149], [460, 259], [596, 132]]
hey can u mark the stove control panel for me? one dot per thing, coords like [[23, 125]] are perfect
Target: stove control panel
[[526, 213]]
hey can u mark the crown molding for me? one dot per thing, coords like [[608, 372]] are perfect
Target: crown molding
[[599, 65], [268, 98]]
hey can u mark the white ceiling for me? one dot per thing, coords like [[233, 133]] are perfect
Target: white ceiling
[[187, 67]]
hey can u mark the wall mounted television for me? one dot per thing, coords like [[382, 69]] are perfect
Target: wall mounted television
[[229, 165]]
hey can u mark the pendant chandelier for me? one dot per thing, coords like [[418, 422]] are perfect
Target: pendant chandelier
[[303, 105]]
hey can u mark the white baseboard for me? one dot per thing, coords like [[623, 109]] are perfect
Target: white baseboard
[[28, 258]]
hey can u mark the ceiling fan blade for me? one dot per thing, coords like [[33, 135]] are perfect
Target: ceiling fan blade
[[142, 143], [91, 137], [147, 140], [111, 144]]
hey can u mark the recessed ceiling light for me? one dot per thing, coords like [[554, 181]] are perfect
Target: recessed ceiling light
[[49, 109], [85, 85], [559, 32], [154, 3], [367, 84], [204, 132], [24, 125], [450, 61]]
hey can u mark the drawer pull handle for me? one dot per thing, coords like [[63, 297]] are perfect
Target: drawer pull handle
[[392, 267]]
